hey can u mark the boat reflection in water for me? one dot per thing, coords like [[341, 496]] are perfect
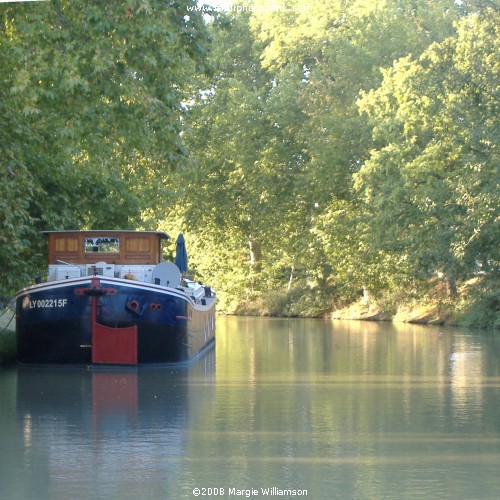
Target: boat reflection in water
[[121, 423]]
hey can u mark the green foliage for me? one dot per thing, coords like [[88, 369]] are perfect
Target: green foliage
[[90, 117], [7, 347], [7, 336], [314, 155], [239, 192], [431, 186], [276, 138], [481, 309]]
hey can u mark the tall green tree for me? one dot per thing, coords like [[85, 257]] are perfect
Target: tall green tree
[[224, 189], [277, 137], [91, 112], [341, 50], [432, 183]]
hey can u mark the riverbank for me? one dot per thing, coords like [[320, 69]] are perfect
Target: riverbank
[[7, 337], [475, 305]]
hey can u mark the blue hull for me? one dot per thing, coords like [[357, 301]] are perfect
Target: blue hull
[[103, 320]]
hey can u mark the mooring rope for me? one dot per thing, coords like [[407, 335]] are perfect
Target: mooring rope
[[7, 325]]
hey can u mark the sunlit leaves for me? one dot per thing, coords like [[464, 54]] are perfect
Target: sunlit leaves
[[436, 175], [278, 138]]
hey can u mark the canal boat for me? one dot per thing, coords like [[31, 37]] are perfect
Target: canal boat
[[110, 299]]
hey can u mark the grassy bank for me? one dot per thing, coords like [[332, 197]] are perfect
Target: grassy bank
[[476, 304], [7, 337]]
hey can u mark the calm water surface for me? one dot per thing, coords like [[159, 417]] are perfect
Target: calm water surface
[[328, 409]]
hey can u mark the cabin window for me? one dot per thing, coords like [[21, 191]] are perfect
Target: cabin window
[[102, 244]]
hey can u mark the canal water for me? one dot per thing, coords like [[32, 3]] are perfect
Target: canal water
[[279, 409]]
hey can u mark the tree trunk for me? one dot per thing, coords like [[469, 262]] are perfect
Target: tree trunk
[[451, 287], [290, 280], [255, 254]]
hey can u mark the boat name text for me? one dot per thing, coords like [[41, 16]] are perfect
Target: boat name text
[[47, 303]]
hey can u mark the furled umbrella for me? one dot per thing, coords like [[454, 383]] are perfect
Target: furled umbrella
[[181, 258]]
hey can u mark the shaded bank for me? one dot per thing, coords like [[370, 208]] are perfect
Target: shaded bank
[[7, 347], [476, 304], [7, 336]]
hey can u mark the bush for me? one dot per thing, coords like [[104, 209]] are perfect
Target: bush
[[482, 309]]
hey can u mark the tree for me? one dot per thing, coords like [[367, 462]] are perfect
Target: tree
[[341, 50], [91, 113], [431, 184], [240, 183], [276, 137]]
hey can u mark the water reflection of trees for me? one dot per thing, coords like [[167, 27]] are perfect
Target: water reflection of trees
[[307, 391], [352, 407]]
